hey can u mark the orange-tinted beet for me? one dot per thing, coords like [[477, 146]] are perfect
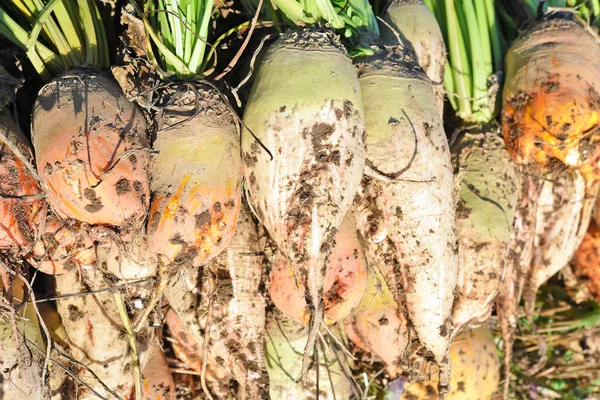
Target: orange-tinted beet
[[196, 181], [91, 150], [62, 247], [587, 261], [551, 96], [20, 217], [157, 381], [188, 350], [379, 325], [345, 280]]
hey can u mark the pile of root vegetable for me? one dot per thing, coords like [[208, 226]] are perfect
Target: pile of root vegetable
[[315, 199]]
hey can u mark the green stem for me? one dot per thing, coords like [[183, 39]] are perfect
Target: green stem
[[477, 67], [89, 34], [584, 12], [484, 33], [274, 15], [17, 35], [189, 37], [595, 5], [509, 25], [171, 58], [56, 36], [25, 8], [459, 60], [199, 49], [21, 8], [40, 21], [34, 58], [449, 85], [164, 28], [70, 31], [440, 15], [327, 13], [132, 345], [103, 57], [175, 27], [495, 35], [503, 45], [365, 12], [293, 11], [532, 5]]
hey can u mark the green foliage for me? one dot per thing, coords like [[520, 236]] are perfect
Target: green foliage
[[353, 20], [589, 10], [57, 35], [516, 13], [476, 46], [179, 29]]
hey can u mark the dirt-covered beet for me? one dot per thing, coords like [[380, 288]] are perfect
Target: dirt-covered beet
[[475, 369], [191, 353], [563, 215], [22, 207], [379, 326], [345, 280], [91, 150], [95, 334], [196, 179], [518, 263], [62, 247], [20, 333], [551, 106], [406, 195], [129, 260], [418, 29], [157, 381], [222, 302], [488, 188], [305, 107]]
